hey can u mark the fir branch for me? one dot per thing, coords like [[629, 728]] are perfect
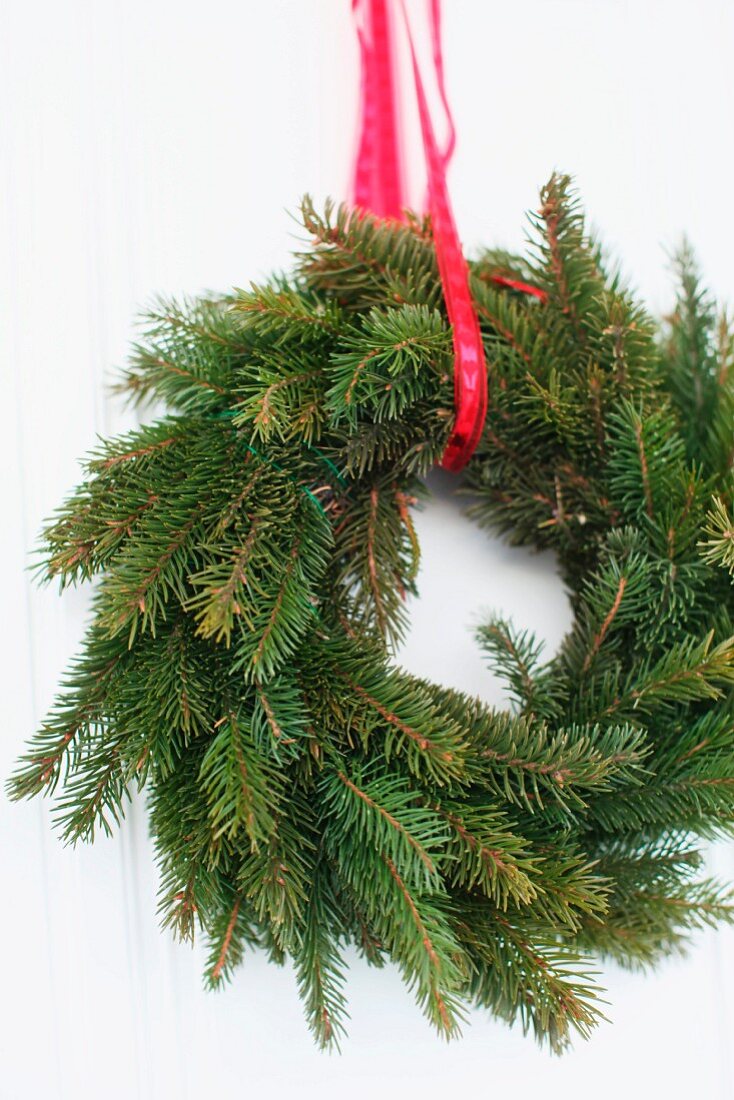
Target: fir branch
[[319, 964], [242, 792], [718, 547]]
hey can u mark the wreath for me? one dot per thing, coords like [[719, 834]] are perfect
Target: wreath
[[255, 548]]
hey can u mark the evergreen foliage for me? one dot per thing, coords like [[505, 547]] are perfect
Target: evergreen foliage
[[254, 549]]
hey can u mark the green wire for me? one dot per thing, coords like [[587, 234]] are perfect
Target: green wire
[[228, 414]]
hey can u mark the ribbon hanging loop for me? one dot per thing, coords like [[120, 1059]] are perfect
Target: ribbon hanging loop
[[378, 187]]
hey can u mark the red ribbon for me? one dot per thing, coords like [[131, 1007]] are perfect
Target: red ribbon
[[524, 288], [470, 369], [378, 175], [378, 186]]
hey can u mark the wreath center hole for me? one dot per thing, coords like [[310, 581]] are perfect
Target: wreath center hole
[[467, 575]]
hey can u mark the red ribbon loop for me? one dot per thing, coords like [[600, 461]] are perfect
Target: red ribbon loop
[[378, 186]]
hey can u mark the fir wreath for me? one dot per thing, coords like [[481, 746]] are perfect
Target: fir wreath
[[255, 548]]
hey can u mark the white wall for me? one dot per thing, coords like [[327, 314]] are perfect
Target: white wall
[[155, 145]]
